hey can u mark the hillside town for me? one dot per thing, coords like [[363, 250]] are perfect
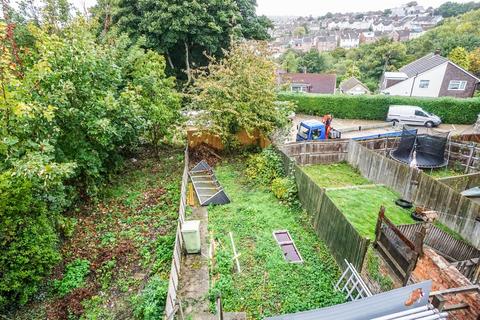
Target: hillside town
[[349, 30]]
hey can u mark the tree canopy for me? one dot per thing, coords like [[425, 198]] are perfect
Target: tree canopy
[[187, 31]]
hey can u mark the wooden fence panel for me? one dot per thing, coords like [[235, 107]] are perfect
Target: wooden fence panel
[[455, 211], [327, 220], [461, 183], [442, 242], [177, 249]]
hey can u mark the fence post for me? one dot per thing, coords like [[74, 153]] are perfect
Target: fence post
[[419, 237], [381, 215], [219, 307], [469, 161]]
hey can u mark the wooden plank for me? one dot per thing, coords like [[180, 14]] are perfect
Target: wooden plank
[[471, 288]]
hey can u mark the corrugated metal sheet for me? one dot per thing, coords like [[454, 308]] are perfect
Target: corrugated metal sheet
[[403, 303], [208, 189]]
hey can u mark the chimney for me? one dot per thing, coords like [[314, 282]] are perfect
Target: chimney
[[437, 52]]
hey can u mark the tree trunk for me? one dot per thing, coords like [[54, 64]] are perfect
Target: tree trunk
[[170, 62], [187, 63]]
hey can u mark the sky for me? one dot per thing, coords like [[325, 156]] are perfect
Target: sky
[[321, 7], [310, 7]]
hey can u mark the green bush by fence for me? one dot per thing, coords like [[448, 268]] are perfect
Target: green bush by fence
[[450, 110]]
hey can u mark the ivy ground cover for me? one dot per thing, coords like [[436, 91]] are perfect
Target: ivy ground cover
[[116, 263], [267, 285]]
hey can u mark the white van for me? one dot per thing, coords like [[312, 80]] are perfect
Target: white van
[[412, 115]]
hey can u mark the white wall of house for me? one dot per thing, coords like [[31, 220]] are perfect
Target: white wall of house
[[357, 90], [412, 86]]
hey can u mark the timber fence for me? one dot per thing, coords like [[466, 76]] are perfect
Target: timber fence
[[442, 242], [463, 182], [327, 220], [171, 302], [455, 211]]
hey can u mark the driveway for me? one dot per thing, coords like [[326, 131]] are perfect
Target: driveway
[[348, 123]]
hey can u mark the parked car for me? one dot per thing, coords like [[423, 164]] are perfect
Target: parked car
[[413, 115]]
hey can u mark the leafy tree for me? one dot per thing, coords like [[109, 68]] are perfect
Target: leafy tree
[[460, 56], [290, 62], [186, 31], [312, 62], [474, 58], [299, 32], [452, 9], [68, 114], [461, 31], [253, 26], [238, 93]]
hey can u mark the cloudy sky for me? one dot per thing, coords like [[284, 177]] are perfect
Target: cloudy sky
[[320, 7], [310, 7]]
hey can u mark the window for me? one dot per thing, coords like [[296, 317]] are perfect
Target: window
[[299, 88], [424, 84], [420, 113], [303, 132], [457, 85]]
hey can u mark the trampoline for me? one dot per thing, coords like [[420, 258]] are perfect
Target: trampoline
[[427, 151]]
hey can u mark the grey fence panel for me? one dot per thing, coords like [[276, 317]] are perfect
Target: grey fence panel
[[327, 220], [442, 242], [177, 249]]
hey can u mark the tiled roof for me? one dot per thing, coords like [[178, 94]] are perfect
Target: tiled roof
[[318, 83], [351, 83], [423, 64]]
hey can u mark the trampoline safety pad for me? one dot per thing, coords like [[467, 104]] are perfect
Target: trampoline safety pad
[[208, 189]]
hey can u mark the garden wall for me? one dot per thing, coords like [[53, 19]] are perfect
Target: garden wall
[[328, 221], [462, 183], [375, 107]]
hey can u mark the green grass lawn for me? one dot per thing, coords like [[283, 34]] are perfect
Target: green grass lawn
[[443, 173], [267, 285], [361, 207], [335, 175]]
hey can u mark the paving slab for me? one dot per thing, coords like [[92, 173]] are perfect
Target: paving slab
[[194, 276]]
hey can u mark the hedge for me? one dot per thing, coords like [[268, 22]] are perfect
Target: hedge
[[375, 107]]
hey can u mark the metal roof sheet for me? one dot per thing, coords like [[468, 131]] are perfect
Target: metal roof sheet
[[395, 304]]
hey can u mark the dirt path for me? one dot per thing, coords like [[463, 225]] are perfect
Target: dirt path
[[194, 278]]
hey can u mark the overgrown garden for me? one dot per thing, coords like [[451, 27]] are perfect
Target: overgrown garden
[[267, 284]]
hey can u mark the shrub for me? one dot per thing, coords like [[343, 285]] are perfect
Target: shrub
[[285, 189], [450, 110], [264, 167], [28, 240], [150, 303], [75, 274]]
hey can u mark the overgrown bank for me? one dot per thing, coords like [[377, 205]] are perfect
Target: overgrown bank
[[116, 261], [375, 107]]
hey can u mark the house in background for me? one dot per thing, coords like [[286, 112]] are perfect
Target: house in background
[[430, 76], [353, 86], [309, 82]]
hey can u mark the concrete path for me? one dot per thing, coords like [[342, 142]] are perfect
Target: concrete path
[[194, 277]]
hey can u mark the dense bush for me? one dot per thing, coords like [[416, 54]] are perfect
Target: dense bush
[[74, 277], [70, 110], [150, 303], [450, 110], [264, 167], [285, 189]]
